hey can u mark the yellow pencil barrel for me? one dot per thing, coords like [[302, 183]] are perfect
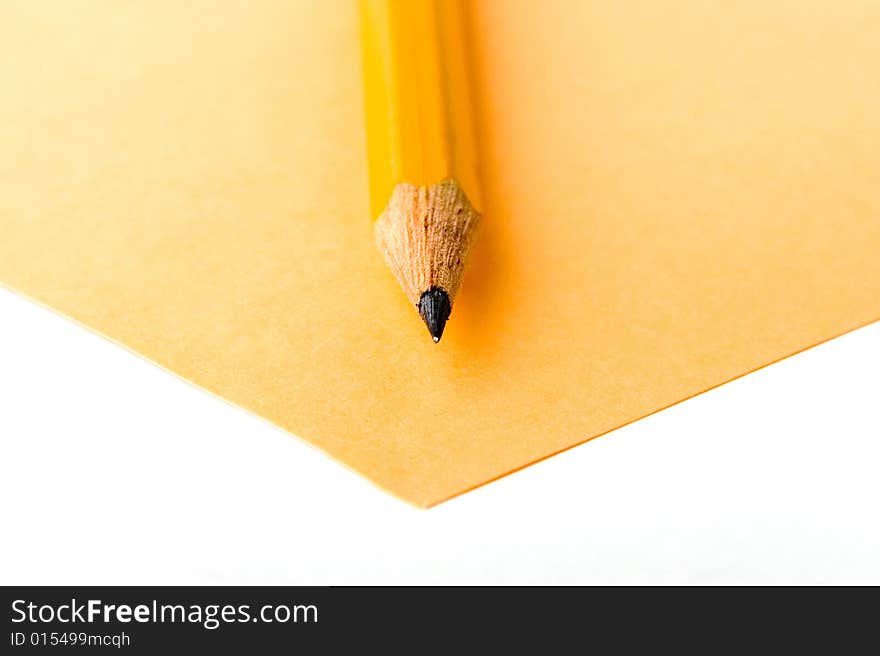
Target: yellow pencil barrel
[[418, 92]]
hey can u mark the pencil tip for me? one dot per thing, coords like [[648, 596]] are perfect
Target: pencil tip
[[434, 306]]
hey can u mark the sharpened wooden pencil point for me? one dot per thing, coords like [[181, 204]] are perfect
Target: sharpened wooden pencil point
[[426, 235]]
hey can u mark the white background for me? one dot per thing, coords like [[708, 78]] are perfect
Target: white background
[[115, 472]]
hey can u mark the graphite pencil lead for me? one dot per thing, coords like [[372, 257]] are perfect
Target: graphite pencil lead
[[434, 307]]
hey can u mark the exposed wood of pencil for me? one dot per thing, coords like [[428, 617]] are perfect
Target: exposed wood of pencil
[[420, 134], [426, 234]]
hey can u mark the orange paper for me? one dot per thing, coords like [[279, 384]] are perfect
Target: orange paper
[[676, 194]]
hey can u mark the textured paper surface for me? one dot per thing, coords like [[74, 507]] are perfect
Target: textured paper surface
[[676, 193]]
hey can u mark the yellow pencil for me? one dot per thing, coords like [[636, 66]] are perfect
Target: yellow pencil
[[424, 191]]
